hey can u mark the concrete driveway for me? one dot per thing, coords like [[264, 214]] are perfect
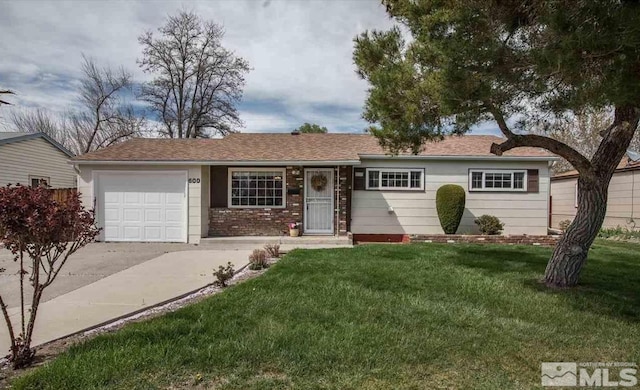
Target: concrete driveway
[[107, 280], [89, 264]]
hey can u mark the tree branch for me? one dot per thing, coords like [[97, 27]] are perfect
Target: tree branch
[[579, 162]]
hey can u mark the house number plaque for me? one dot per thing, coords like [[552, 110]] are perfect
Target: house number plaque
[[194, 180]]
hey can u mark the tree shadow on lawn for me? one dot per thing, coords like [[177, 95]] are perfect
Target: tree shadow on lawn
[[609, 283]]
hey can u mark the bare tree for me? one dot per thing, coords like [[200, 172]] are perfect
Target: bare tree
[[42, 121], [105, 118], [197, 83], [581, 130]]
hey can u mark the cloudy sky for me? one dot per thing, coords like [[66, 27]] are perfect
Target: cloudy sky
[[300, 52]]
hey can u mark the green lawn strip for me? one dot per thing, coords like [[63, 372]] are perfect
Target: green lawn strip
[[376, 316]]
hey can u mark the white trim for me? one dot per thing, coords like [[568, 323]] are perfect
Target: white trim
[[510, 171], [95, 177], [246, 163], [284, 187], [479, 158], [332, 208], [400, 170]]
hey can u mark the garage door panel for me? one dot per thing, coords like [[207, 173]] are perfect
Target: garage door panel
[[174, 198], [173, 216], [152, 198], [111, 214], [111, 233], [132, 233], [153, 233], [153, 215], [143, 206], [131, 215], [132, 198], [173, 233]]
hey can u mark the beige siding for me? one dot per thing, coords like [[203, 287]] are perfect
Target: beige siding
[[35, 157], [196, 213], [623, 206], [415, 212], [204, 201]]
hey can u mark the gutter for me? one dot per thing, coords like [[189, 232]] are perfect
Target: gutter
[[466, 158], [217, 162]]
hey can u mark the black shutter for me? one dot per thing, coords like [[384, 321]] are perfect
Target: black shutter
[[359, 178], [533, 180], [219, 186]]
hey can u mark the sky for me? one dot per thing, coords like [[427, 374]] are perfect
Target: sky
[[300, 52]]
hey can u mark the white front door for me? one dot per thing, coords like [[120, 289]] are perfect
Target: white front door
[[318, 199], [142, 206]]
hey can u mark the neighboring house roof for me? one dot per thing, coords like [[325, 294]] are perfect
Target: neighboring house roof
[[285, 147], [12, 137], [626, 164]]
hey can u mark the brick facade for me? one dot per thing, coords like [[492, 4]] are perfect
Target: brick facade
[[343, 200], [458, 238], [477, 239], [224, 221]]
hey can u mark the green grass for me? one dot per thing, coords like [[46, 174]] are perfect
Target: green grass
[[376, 317]]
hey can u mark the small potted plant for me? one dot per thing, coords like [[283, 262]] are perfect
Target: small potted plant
[[294, 229]]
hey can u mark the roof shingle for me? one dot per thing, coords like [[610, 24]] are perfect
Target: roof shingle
[[626, 164], [287, 147]]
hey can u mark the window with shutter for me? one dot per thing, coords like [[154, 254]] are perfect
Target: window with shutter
[[498, 180]]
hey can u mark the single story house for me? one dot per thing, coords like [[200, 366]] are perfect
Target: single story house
[[623, 204], [35, 159], [332, 184]]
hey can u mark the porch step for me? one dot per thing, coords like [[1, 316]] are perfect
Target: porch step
[[285, 241]]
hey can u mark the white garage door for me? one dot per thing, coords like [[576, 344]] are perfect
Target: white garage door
[[143, 206]]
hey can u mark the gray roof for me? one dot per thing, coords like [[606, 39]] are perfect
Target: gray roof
[[11, 137]]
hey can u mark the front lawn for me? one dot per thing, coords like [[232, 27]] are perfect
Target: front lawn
[[376, 317]]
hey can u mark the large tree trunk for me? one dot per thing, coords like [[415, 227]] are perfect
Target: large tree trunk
[[570, 254]]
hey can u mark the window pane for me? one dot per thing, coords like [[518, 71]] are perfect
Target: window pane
[[416, 179], [497, 180], [476, 179], [386, 179], [256, 188], [518, 180], [374, 179], [489, 180]]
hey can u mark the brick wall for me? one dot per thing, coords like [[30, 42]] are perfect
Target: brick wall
[[343, 200], [477, 239], [458, 238], [225, 221], [266, 221]]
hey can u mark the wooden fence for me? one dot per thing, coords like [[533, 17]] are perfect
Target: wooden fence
[[62, 194]]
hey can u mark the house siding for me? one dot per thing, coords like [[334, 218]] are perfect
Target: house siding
[[195, 190], [414, 212], [37, 157], [623, 205]]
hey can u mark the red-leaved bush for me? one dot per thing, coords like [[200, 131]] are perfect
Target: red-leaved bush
[[32, 223]]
